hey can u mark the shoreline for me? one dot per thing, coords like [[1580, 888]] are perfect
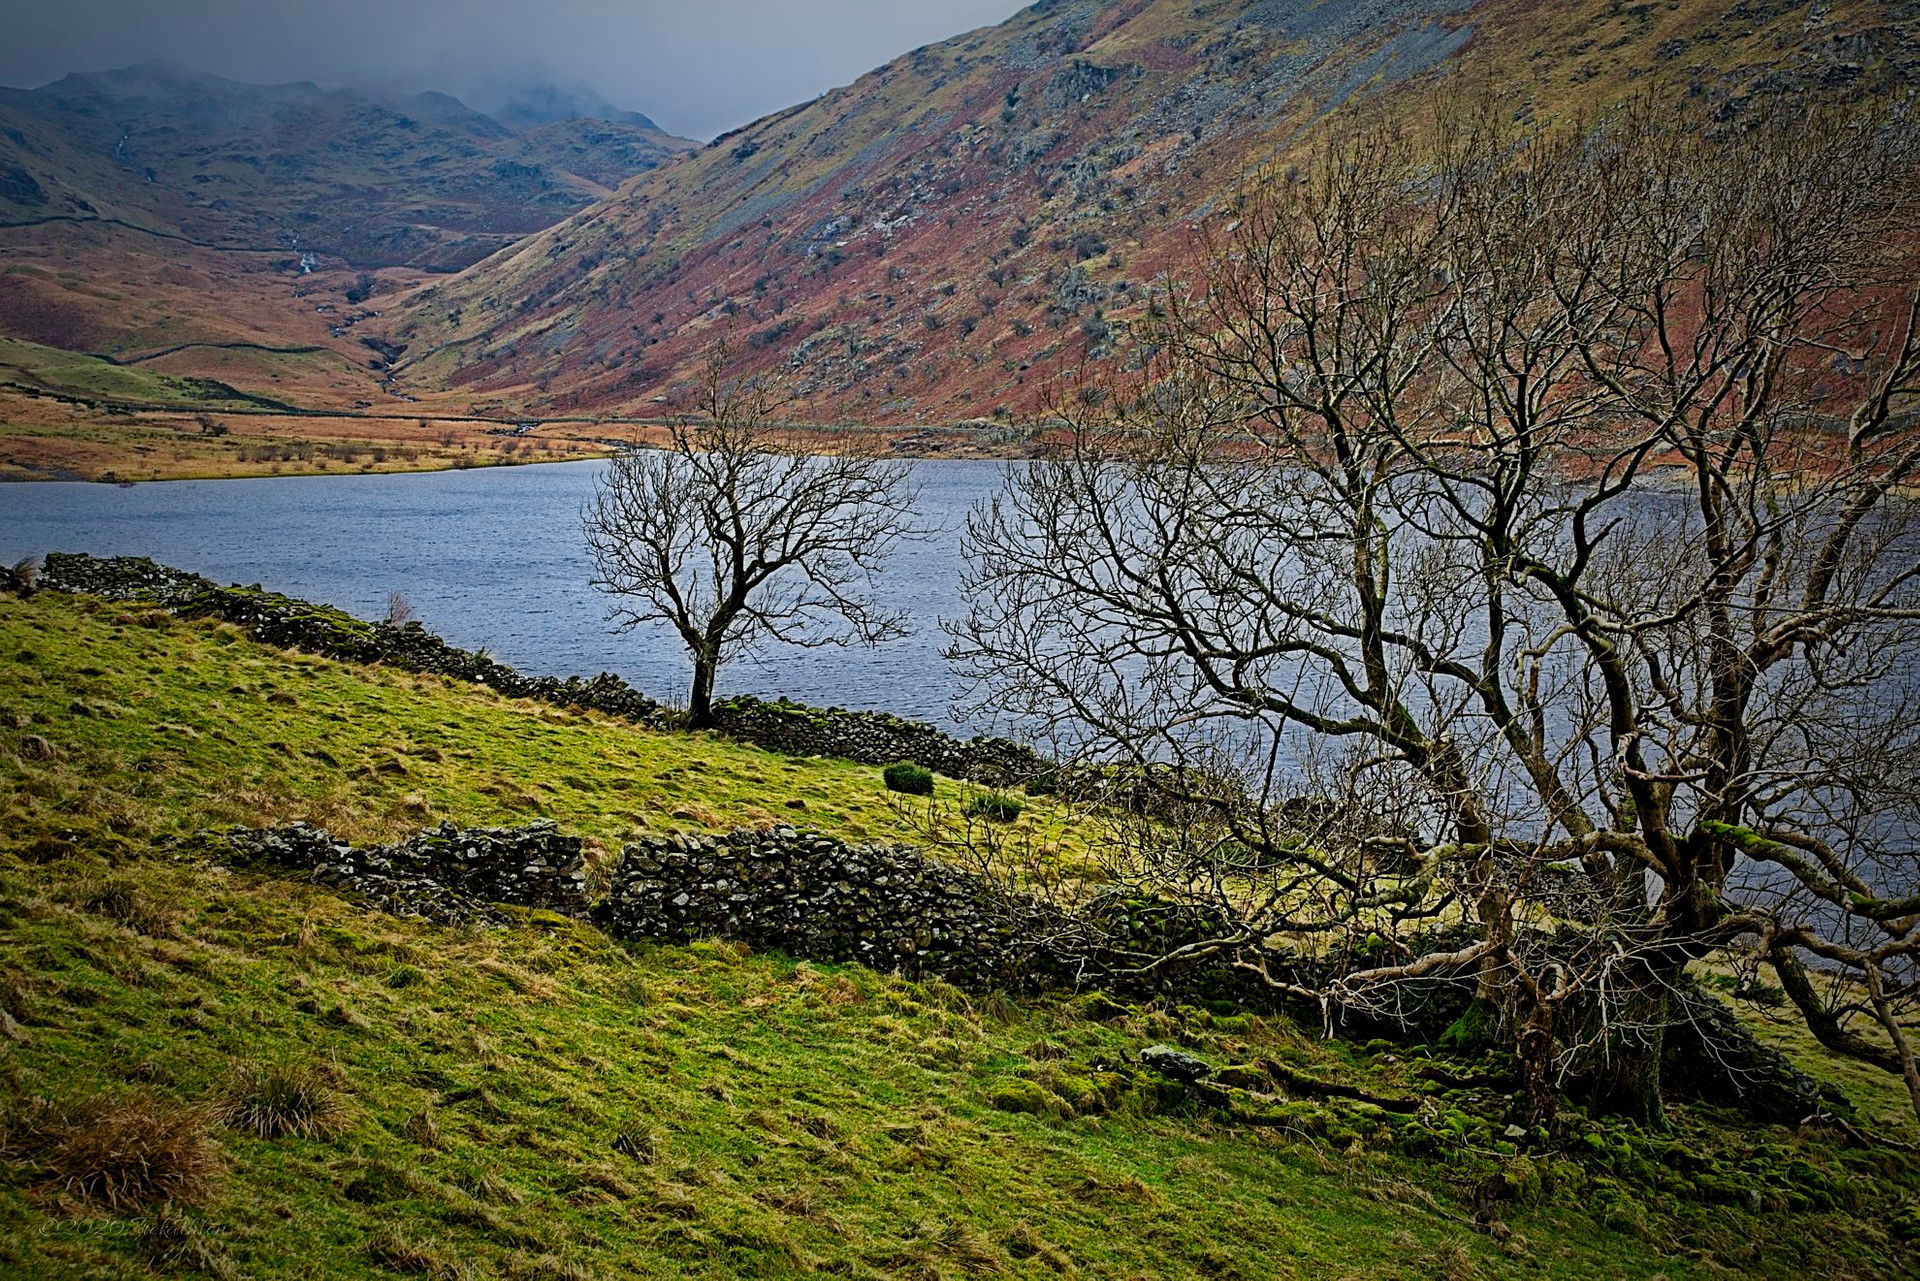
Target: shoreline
[[247, 472], [155, 446]]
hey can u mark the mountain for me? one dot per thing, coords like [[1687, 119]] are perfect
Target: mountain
[[425, 182], [206, 228], [545, 104], [936, 240]]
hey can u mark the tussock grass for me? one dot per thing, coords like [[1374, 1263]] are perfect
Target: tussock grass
[[125, 903], [123, 1150], [286, 1100]]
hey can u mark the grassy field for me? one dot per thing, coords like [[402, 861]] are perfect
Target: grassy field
[[71, 416], [346, 1094]]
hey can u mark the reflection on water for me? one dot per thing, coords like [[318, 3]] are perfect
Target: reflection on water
[[494, 558]]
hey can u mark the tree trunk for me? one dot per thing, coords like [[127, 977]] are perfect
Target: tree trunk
[[1626, 1080], [1534, 1051], [700, 701]]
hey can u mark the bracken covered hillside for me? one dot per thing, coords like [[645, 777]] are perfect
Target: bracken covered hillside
[[934, 241]]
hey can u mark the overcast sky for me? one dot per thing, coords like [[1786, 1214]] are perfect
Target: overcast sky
[[698, 67]]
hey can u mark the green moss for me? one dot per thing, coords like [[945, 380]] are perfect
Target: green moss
[[1022, 1096], [1473, 1033], [1522, 1181]]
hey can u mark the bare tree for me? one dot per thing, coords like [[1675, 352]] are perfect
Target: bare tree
[[733, 537], [1502, 568]]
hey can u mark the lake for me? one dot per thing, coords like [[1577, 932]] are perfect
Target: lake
[[493, 557]]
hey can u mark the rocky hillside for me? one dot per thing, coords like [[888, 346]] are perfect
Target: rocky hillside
[[932, 242], [423, 182]]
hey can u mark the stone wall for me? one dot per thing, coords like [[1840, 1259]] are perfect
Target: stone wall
[[884, 906], [892, 908], [888, 907], [872, 738], [447, 874], [289, 623]]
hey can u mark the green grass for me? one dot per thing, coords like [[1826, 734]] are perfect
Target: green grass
[[544, 1102], [79, 374], [160, 728]]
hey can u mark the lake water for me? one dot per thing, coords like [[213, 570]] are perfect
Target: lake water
[[493, 557]]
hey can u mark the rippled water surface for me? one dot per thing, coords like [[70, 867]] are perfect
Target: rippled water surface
[[494, 558]]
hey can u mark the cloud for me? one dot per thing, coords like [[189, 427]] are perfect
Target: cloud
[[698, 68]]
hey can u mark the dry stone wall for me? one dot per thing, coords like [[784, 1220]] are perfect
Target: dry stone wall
[[875, 738], [891, 907], [447, 874], [888, 907], [884, 906], [289, 623]]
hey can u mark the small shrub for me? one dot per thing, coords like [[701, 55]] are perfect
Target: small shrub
[[1045, 782], [281, 1100], [908, 779], [123, 1151], [995, 807]]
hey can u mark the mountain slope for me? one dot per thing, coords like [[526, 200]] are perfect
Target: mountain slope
[[425, 183], [934, 241]]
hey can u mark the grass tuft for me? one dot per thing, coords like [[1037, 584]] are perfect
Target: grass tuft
[[397, 1252], [285, 1100], [175, 1242], [35, 748], [119, 1150], [996, 807], [125, 903], [422, 1128]]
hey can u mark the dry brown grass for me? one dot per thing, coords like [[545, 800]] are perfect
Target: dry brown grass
[[121, 1150], [398, 1253]]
